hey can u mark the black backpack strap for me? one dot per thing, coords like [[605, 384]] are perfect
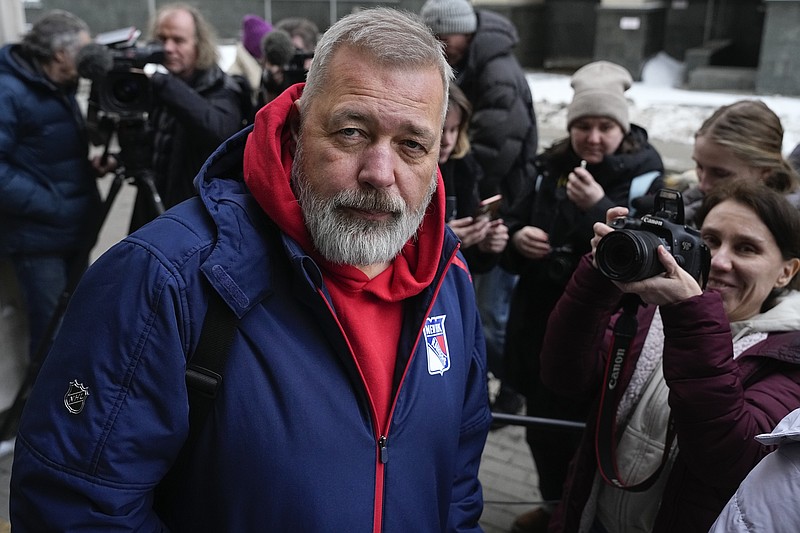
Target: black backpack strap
[[205, 368], [203, 381]]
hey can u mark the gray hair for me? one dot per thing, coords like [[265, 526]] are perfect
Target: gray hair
[[53, 32], [391, 37]]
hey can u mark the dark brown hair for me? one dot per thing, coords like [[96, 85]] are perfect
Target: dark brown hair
[[781, 218]]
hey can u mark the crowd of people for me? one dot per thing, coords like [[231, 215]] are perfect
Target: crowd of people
[[348, 234]]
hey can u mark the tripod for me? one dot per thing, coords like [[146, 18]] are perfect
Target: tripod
[[131, 131]]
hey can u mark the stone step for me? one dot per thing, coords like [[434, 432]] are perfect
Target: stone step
[[711, 78]]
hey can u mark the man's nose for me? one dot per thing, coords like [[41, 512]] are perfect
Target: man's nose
[[378, 166]]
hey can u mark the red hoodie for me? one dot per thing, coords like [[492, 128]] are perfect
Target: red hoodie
[[370, 311]]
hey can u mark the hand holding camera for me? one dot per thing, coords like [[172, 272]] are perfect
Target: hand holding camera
[[656, 257]]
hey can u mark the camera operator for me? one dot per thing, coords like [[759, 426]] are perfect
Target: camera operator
[[578, 178], [284, 64], [48, 196], [707, 370], [196, 106]]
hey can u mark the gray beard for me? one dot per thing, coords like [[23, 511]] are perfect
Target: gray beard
[[344, 238]]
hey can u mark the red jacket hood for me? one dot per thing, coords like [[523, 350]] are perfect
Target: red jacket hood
[[268, 160]]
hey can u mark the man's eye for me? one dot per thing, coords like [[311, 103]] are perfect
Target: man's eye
[[414, 145]]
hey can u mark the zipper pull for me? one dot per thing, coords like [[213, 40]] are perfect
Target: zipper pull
[[384, 455]]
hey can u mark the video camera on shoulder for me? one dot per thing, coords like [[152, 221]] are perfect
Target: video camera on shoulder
[[630, 252], [114, 64]]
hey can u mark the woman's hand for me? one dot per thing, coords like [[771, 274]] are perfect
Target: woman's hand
[[470, 230], [582, 189], [532, 242], [496, 239], [601, 230], [674, 285]]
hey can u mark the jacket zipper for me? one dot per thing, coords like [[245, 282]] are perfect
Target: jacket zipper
[[383, 439], [382, 447]]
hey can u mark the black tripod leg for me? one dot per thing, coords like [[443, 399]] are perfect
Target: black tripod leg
[[146, 179], [12, 416]]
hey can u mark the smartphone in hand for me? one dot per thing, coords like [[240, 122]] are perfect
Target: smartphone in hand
[[489, 207]]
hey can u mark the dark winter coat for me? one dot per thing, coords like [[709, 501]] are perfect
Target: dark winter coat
[[49, 201], [719, 404], [291, 442], [189, 121], [545, 205], [503, 129]]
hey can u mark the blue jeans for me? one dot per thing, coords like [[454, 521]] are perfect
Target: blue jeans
[[42, 279], [493, 293]]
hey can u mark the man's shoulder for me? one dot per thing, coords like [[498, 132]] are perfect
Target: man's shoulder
[[182, 229], [15, 77], [213, 79], [495, 31]]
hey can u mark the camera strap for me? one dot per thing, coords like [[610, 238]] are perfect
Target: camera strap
[[617, 365]]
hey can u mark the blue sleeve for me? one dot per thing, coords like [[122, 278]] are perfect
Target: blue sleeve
[[20, 192], [108, 413], [467, 498]]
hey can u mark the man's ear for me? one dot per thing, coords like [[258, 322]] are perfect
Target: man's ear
[[59, 56], [294, 118]]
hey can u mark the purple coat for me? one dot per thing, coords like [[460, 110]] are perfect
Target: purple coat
[[719, 404]]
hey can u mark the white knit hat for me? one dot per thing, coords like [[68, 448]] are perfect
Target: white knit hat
[[600, 92], [449, 16]]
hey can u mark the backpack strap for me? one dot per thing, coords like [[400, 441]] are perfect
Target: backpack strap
[[203, 381], [205, 368]]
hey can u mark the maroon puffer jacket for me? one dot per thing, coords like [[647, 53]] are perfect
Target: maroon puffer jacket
[[719, 404]]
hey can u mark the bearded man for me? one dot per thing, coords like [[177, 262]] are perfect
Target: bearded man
[[354, 395]]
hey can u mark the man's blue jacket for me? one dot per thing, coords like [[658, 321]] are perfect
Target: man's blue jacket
[[290, 444], [49, 203]]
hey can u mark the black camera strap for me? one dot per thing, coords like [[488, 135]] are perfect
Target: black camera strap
[[618, 364]]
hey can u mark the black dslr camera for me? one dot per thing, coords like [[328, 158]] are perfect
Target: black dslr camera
[[119, 86], [629, 254]]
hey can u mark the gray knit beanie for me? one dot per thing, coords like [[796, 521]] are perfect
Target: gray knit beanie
[[449, 16], [600, 92]]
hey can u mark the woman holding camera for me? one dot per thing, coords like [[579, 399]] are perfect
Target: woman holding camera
[[700, 373], [605, 161]]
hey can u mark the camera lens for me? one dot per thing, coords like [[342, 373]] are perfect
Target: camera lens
[[625, 255], [127, 90]]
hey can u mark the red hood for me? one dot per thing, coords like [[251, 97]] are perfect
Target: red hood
[[268, 159]]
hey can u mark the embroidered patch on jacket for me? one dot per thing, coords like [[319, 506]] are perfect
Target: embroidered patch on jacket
[[75, 398], [436, 345]]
